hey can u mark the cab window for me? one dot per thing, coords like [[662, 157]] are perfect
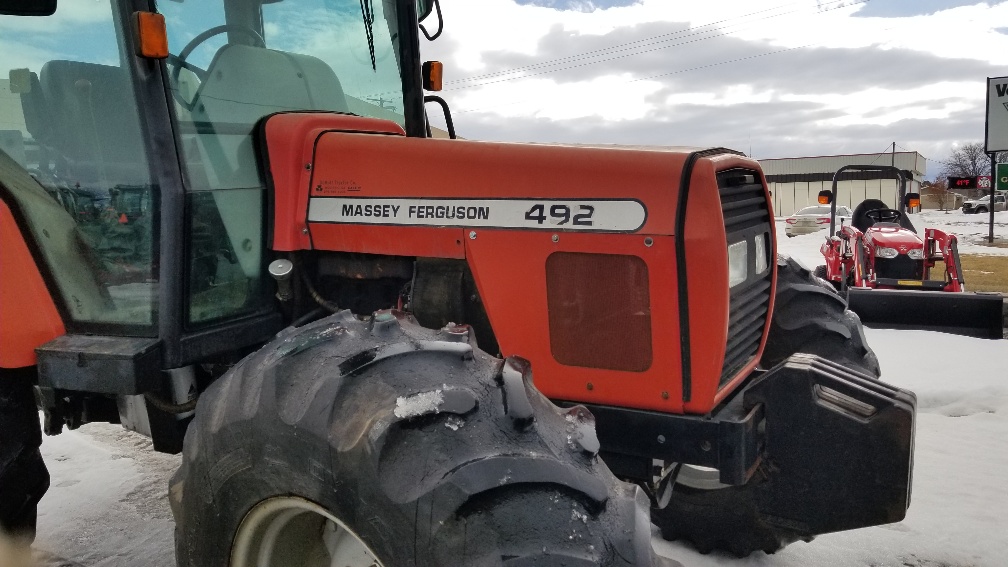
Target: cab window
[[232, 63], [73, 159]]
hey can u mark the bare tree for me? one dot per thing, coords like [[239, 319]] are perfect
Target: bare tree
[[968, 160], [939, 191]]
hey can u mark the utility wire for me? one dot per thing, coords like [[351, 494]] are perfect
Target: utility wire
[[605, 50], [880, 154], [719, 63], [598, 56]]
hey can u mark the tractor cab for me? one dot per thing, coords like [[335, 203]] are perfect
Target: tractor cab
[[129, 154]]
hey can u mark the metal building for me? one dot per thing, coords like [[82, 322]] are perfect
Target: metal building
[[796, 182]]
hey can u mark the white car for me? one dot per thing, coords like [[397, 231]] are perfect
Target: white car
[[812, 219], [982, 205]]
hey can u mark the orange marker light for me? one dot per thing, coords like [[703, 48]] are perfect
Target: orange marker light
[[433, 75], [152, 36]]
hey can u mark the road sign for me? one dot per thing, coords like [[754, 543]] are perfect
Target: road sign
[[1002, 177], [997, 115]]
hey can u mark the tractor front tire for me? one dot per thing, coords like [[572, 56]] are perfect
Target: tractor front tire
[[384, 443], [23, 475], [809, 316]]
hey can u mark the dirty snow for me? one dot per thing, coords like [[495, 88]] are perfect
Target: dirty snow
[[108, 505]]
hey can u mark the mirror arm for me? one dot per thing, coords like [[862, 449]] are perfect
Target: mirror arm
[[440, 26], [447, 115]]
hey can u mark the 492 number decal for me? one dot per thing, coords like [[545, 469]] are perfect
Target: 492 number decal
[[561, 214]]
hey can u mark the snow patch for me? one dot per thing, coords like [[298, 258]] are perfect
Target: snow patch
[[418, 404]]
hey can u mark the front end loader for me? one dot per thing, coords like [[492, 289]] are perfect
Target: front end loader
[[894, 277], [374, 347]]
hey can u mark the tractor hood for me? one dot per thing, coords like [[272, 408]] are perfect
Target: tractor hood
[[894, 236]]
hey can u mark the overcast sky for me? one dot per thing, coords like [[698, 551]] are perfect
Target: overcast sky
[[772, 78]]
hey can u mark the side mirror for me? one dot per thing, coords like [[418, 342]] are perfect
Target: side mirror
[[27, 7], [912, 200], [825, 197], [424, 8]]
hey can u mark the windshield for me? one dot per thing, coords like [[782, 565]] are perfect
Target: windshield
[[822, 211], [232, 63], [72, 158], [251, 59], [815, 211]]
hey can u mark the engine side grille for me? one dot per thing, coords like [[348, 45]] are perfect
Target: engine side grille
[[746, 217]]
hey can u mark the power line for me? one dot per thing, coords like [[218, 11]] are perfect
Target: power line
[[726, 62], [880, 154], [604, 50], [592, 57]]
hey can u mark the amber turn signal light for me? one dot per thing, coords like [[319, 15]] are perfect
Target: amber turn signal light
[[433, 73], [912, 200], [152, 35]]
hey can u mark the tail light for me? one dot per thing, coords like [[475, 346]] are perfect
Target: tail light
[[791, 221], [823, 220]]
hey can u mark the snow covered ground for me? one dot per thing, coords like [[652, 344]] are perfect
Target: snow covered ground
[[108, 505]]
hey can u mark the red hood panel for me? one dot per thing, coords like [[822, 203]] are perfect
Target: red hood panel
[[897, 238]]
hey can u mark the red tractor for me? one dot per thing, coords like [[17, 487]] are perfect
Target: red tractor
[[894, 277], [377, 348]]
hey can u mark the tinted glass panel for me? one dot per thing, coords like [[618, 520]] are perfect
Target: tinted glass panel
[[68, 119], [229, 68]]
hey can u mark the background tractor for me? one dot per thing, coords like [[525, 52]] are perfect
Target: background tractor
[[382, 348], [894, 277]]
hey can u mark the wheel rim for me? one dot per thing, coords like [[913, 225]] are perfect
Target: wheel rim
[[700, 478], [290, 531]]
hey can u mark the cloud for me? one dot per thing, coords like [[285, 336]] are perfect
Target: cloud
[[913, 8], [804, 78], [684, 58], [577, 5]]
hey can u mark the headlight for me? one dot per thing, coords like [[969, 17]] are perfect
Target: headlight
[[884, 252], [761, 253], [738, 262], [916, 254]]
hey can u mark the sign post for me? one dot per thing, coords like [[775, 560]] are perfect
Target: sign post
[[996, 139]]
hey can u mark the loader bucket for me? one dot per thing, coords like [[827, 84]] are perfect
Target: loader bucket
[[970, 314]]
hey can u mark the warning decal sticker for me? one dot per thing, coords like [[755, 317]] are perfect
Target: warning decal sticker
[[617, 215]]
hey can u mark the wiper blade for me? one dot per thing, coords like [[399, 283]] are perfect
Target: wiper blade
[[367, 13]]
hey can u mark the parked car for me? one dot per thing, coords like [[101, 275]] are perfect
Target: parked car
[[811, 219], [982, 205]]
